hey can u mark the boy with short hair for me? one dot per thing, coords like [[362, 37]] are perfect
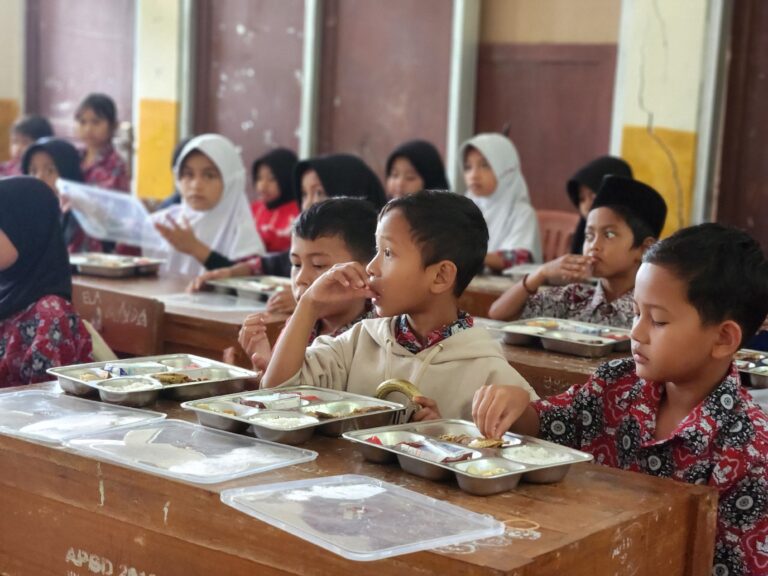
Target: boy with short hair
[[430, 245], [676, 409], [25, 132], [332, 232], [626, 218]]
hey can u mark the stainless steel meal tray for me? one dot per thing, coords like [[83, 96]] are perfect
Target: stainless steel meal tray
[[261, 287], [300, 422], [567, 336], [755, 364], [219, 378], [113, 265], [468, 472]]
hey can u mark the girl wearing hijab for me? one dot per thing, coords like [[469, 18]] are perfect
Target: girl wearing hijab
[[583, 186], [276, 207], [414, 166], [496, 184], [48, 160], [39, 329], [212, 227]]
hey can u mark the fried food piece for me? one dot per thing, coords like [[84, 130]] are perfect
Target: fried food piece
[[172, 378], [486, 443]]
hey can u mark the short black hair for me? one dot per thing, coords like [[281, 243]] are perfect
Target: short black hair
[[726, 272], [102, 105], [354, 219], [33, 127], [640, 228], [447, 226]]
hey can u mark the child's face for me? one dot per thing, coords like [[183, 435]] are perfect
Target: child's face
[[397, 274], [403, 179], [94, 130], [669, 341], [586, 197], [608, 244], [310, 258], [312, 190], [42, 167], [19, 144], [478, 174], [200, 182], [267, 188]]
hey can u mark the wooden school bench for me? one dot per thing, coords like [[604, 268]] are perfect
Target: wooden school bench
[[65, 514]]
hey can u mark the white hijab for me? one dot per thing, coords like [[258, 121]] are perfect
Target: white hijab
[[228, 228], [512, 222]]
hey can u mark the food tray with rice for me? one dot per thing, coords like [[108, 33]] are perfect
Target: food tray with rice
[[292, 414], [260, 287], [566, 336], [444, 449], [113, 265], [140, 381], [753, 364]]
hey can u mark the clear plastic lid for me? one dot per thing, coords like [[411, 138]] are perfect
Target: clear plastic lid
[[51, 417], [212, 301], [361, 518], [190, 452], [108, 215]]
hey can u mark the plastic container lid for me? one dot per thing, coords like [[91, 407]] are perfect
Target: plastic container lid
[[361, 518], [189, 452], [212, 301], [51, 417]]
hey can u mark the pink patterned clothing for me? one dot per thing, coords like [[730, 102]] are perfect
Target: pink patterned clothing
[[515, 257], [722, 443], [10, 168], [582, 302], [46, 334], [108, 171]]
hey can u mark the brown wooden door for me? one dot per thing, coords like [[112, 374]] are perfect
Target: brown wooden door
[[743, 188], [74, 48], [248, 72]]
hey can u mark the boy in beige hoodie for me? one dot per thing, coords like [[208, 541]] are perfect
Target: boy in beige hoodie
[[429, 246]]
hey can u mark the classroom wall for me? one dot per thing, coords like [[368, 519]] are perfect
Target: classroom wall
[[156, 95], [661, 58], [11, 69]]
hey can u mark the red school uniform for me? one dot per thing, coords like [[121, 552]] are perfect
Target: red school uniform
[[722, 443], [108, 171], [275, 226]]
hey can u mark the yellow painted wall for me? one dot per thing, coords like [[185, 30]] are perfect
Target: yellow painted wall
[[11, 69], [550, 21], [156, 139]]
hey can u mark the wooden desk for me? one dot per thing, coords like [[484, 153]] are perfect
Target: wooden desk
[[482, 292], [67, 514], [184, 329]]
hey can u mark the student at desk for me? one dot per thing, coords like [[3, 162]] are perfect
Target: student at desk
[[430, 245], [626, 218], [39, 329], [676, 409]]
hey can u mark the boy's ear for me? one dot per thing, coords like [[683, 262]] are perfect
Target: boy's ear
[[444, 276], [728, 339], [648, 242]]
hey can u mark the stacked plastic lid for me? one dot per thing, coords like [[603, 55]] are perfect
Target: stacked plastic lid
[[361, 518]]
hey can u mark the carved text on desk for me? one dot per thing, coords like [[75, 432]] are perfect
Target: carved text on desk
[[95, 564], [124, 313]]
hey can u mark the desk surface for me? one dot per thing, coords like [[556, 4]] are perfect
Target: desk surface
[[68, 514]]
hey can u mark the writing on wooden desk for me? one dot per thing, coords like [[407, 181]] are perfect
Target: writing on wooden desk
[[95, 564], [122, 313]]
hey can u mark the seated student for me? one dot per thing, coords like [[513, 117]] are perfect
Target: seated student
[[277, 206], [414, 166], [496, 184], [39, 329], [676, 409], [583, 186], [102, 166], [331, 232], [24, 132], [48, 160], [626, 218], [430, 245], [212, 227]]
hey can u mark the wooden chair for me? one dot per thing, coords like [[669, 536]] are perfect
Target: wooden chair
[[130, 325], [556, 228]]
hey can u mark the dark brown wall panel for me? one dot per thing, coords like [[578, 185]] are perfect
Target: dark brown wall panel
[[385, 75], [249, 64], [557, 101], [743, 191], [74, 48]]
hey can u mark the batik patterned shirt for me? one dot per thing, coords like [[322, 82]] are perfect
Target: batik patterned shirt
[[369, 313], [515, 257], [405, 336], [722, 443], [582, 302], [108, 171]]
